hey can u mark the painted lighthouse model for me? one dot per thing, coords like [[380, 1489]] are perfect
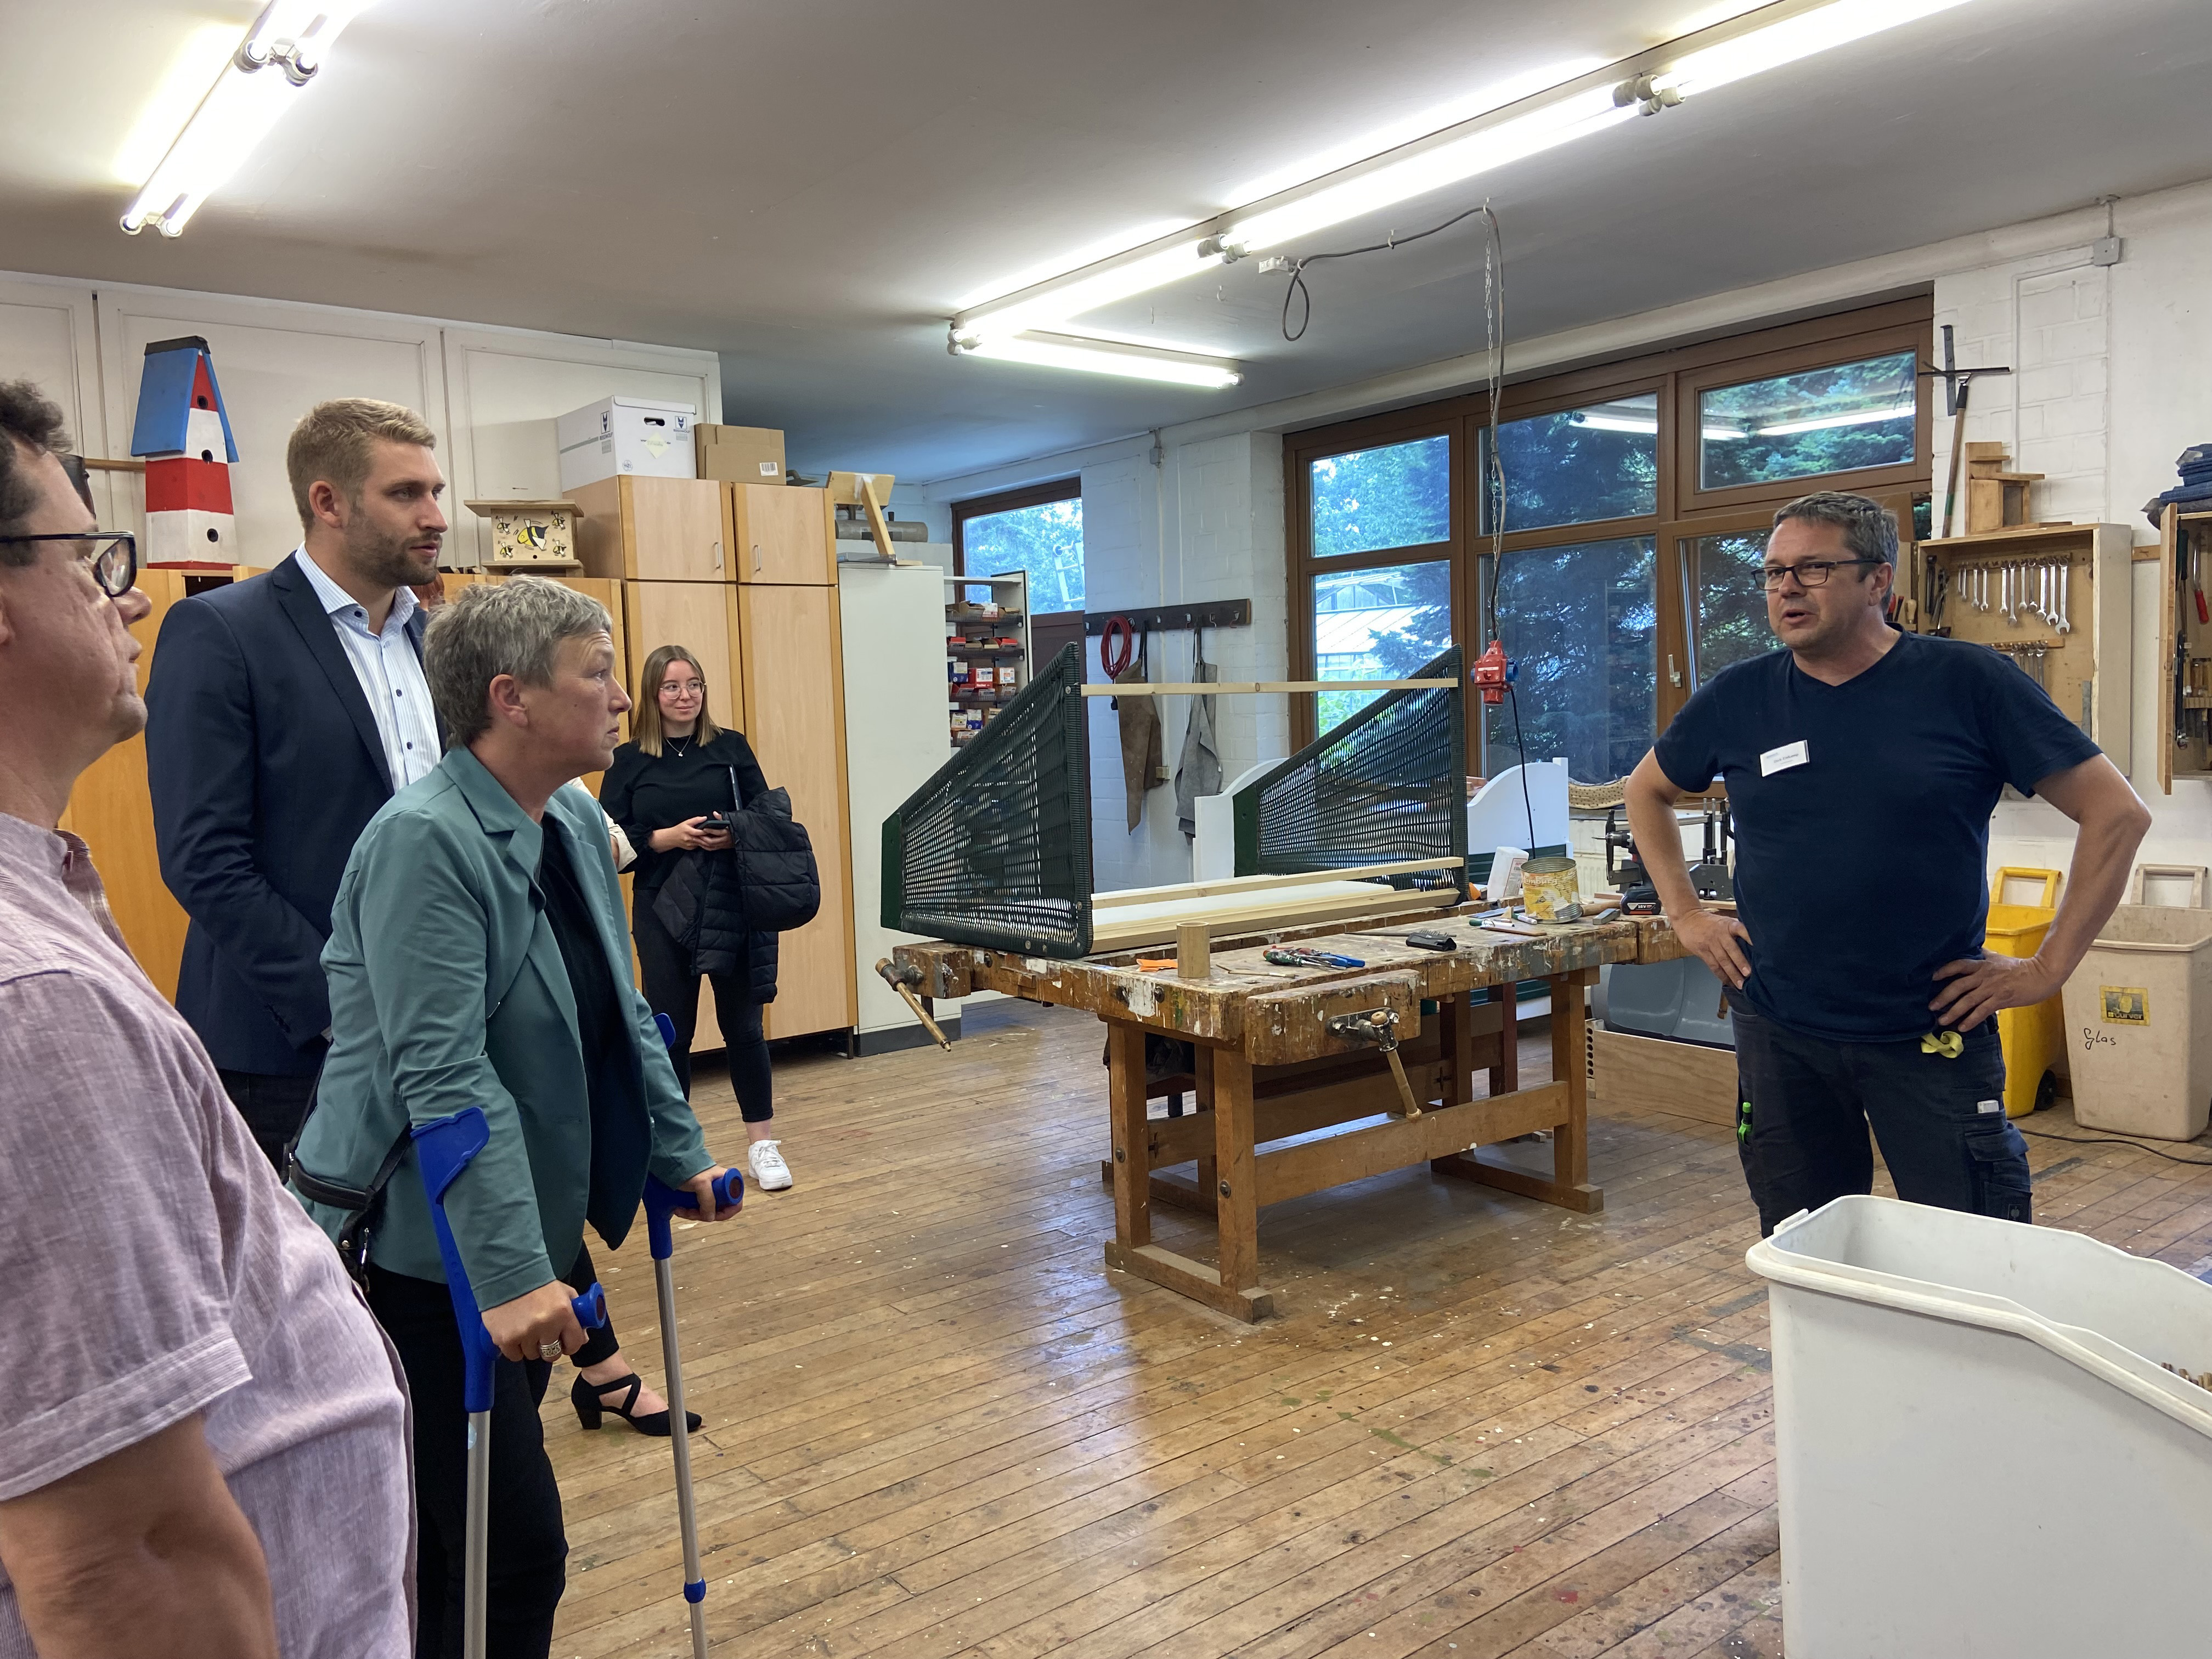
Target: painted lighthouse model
[[184, 436]]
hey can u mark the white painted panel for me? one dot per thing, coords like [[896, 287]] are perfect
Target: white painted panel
[[48, 335], [508, 389], [274, 361], [893, 621]]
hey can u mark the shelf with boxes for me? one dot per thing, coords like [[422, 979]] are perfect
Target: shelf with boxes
[[2184, 722], [986, 647]]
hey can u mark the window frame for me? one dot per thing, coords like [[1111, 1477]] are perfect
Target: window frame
[[1683, 511], [1009, 500]]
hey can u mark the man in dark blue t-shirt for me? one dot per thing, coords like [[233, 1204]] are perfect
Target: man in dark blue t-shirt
[[1862, 767]]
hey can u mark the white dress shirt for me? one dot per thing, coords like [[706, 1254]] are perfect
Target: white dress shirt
[[390, 674]]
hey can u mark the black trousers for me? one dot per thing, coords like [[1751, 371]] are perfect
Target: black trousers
[[671, 988], [1804, 1105], [526, 1546], [600, 1345], [274, 1107]]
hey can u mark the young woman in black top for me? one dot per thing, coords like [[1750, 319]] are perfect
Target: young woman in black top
[[679, 771]]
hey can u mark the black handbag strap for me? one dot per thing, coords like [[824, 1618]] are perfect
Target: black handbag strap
[[352, 1200]]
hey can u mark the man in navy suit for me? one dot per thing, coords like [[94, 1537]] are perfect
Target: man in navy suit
[[283, 711]]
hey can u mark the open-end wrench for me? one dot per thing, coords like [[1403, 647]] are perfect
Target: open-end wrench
[[2065, 580]]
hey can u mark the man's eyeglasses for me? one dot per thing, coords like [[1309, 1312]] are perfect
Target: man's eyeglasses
[[1809, 572], [110, 555]]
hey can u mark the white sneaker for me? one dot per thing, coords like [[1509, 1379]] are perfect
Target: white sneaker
[[770, 1173]]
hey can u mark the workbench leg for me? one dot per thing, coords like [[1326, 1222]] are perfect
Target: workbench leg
[[1209, 1169], [1226, 1080], [1569, 1184], [1237, 1178], [1571, 1065], [1455, 1038], [1505, 1076], [1133, 1146]]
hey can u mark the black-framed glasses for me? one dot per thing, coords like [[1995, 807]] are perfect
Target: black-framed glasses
[[111, 556], [1809, 572]]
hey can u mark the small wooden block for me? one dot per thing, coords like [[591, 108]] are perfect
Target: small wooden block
[[1194, 950], [1985, 451]]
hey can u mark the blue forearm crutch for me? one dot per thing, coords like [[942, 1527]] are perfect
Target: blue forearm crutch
[[444, 1148], [660, 1203]]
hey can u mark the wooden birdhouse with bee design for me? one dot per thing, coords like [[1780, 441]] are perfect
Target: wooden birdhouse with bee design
[[529, 535]]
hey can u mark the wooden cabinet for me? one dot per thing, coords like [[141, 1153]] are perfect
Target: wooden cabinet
[[654, 529], [783, 536], [795, 706], [112, 809], [701, 616]]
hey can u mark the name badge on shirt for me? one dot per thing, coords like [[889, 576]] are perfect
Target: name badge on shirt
[[1781, 759]]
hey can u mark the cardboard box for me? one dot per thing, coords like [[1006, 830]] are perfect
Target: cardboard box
[[626, 436], [740, 454]]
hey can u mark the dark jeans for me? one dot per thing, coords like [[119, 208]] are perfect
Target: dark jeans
[[671, 988], [1803, 1105], [273, 1107], [526, 1546]]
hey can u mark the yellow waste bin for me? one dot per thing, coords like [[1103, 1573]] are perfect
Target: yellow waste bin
[[2032, 1036]]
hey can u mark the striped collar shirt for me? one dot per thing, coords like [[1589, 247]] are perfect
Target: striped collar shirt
[[390, 674]]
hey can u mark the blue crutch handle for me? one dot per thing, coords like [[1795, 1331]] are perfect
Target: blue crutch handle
[[443, 1148], [663, 1200]]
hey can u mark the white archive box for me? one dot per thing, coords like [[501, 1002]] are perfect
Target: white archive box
[[633, 437]]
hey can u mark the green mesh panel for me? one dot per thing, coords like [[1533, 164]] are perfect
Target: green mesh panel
[[996, 849], [1389, 784]]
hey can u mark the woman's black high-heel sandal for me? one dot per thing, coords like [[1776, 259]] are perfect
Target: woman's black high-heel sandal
[[590, 1408]]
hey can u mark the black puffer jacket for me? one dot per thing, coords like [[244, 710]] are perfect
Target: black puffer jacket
[[701, 905]]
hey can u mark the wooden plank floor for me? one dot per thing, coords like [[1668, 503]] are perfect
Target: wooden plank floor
[[938, 1425]]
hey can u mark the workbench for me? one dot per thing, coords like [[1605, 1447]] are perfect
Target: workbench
[[1271, 1068]]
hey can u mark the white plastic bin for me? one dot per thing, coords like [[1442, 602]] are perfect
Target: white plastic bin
[[2134, 1010], [1977, 1456]]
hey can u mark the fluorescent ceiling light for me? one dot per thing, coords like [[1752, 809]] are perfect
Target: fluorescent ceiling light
[[1786, 42], [277, 59], [1862, 417], [1105, 357], [1783, 32], [1616, 423]]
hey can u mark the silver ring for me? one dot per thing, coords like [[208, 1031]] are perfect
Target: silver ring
[[549, 1351]]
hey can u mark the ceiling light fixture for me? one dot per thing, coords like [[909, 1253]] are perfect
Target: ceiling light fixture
[[1133, 362], [1648, 81], [279, 56]]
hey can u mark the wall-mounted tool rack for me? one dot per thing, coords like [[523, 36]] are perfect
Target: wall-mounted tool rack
[[2184, 634], [2054, 599]]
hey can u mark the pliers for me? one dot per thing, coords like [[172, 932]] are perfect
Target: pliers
[[1285, 957]]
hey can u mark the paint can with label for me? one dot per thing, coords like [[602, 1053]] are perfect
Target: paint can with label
[[1551, 890]]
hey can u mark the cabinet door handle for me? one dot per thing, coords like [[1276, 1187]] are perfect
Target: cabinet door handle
[[718, 555], [756, 559]]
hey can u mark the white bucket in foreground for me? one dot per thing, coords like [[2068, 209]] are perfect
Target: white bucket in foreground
[[1976, 1453]]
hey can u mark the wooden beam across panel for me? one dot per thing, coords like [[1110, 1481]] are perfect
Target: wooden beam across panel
[[1235, 885], [1253, 688]]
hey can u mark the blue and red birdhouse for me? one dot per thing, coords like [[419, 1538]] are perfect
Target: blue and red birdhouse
[[184, 436]]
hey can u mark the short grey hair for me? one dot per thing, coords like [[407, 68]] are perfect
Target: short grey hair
[[489, 628], [1869, 528]]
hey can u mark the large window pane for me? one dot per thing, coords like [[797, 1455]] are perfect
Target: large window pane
[[1580, 623], [1731, 619], [1578, 465], [1047, 541], [1376, 624], [1795, 426], [1372, 499]]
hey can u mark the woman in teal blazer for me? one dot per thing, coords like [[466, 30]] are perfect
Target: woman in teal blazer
[[478, 957]]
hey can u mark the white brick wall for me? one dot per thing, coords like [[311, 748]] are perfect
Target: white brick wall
[[2044, 317], [1206, 523]]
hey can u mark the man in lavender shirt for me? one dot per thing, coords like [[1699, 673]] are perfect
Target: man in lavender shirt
[[204, 1438]]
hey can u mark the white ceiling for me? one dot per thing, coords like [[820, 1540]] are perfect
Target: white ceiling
[[812, 189]]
